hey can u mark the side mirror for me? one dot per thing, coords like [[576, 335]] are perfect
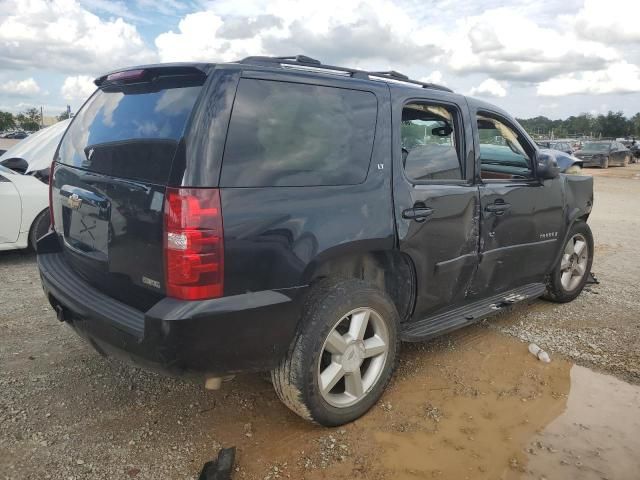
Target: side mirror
[[547, 166], [19, 165], [442, 131]]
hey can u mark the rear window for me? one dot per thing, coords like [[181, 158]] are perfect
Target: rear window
[[130, 132], [289, 134]]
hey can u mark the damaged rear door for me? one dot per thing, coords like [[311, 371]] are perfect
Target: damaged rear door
[[435, 200]]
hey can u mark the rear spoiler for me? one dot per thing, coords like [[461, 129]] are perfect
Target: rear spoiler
[[132, 74]]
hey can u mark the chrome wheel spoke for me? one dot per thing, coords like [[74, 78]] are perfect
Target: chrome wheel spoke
[[565, 279], [568, 248], [565, 262], [580, 269], [374, 346], [353, 384], [336, 343], [358, 325], [349, 364], [330, 376], [579, 246]]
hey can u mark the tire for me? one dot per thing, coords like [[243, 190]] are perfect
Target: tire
[[332, 309], [560, 287], [604, 163], [625, 163], [39, 227]]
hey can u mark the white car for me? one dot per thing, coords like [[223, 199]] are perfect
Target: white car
[[24, 188]]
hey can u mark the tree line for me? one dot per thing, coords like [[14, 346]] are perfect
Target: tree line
[[29, 120], [611, 125]]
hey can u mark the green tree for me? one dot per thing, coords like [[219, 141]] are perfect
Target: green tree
[[63, 116], [613, 124], [7, 121], [29, 119], [635, 125]]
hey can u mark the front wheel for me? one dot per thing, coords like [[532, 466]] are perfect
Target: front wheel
[[39, 228], [626, 161], [570, 275], [604, 163], [343, 355]]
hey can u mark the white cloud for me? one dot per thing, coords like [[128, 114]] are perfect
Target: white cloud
[[24, 87], [198, 39], [377, 34], [608, 21], [489, 88], [620, 77], [79, 87], [434, 77], [508, 45], [61, 35]]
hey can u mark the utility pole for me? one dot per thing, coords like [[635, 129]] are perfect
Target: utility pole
[[41, 117]]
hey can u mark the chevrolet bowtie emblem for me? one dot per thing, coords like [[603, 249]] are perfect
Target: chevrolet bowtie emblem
[[74, 201]]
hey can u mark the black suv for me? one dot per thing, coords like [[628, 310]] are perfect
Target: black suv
[[280, 214]]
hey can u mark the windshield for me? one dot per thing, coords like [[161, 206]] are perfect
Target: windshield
[[596, 147]]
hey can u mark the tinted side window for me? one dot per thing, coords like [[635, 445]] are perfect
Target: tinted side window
[[430, 150], [503, 153], [289, 134]]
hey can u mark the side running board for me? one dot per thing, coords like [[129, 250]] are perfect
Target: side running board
[[435, 325]]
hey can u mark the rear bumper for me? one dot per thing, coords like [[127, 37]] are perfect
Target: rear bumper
[[248, 332]]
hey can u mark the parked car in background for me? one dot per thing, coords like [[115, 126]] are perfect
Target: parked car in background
[[24, 192], [604, 153], [566, 162], [634, 147], [17, 135], [24, 216], [556, 145]]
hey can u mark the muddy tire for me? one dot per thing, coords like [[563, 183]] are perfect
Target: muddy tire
[[39, 227], [343, 355], [571, 274]]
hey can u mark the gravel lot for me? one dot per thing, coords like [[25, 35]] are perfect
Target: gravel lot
[[472, 404]]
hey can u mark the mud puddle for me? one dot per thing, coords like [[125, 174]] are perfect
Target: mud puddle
[[475, 406]]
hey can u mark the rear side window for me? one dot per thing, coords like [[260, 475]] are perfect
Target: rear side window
[[430, 143], [289, 134], [130, 132]]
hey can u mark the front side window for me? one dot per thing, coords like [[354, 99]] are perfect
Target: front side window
[[430, 149], [503, 152], [291, 134]]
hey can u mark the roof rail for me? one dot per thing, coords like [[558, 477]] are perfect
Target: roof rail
[[302, 62]]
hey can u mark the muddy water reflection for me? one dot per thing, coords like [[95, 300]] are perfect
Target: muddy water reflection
[[488, 409], [598, 436]]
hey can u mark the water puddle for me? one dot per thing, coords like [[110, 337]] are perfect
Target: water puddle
[[483, 407], [476, 405]]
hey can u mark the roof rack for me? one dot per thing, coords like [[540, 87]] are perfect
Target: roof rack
[[304, 63]]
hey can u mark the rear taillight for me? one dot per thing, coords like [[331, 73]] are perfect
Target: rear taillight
[[193, 243], [53, 165]]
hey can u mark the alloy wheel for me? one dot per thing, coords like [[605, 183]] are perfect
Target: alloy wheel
[[573, 266], [353, 357]]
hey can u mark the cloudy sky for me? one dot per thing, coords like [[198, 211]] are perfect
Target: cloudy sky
[[547, 57]]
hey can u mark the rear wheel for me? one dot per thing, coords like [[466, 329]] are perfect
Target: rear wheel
[[39, 228], [604, 163], [626, 161], [570, 275], [343, 355]]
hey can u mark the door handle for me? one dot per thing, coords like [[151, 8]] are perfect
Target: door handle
[[497, 208], [419, 214]]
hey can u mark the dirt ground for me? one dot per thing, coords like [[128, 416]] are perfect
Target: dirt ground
[[474, 404]]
